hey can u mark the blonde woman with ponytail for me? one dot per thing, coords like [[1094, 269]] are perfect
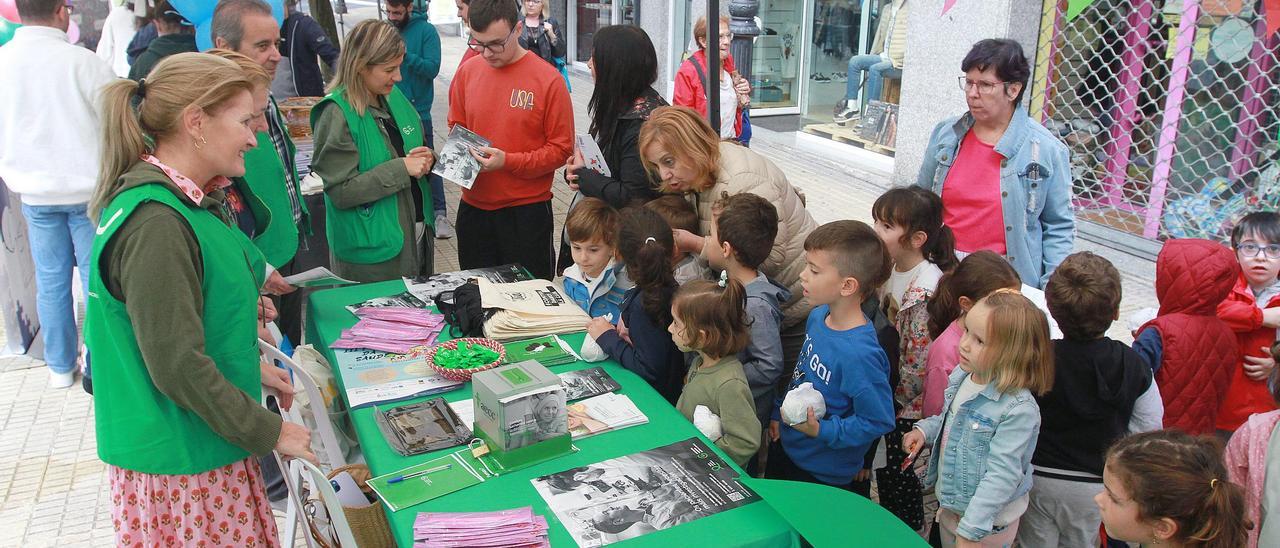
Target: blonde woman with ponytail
[[369, 153], [171, 320], [710, 319]]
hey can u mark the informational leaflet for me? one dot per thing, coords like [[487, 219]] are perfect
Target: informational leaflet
[[371, 376], [630, 496], [399, 300], [317, 277], [454, 161], [604, 413], [592, 156], [586, 383], [426, 288]]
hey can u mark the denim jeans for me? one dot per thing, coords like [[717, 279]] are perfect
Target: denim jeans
[[877, 70], [437, 183], [61, 237]]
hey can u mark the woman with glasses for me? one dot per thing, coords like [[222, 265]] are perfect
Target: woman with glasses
[[369, 152], [1005, 181], [540, 33], [691, 82]]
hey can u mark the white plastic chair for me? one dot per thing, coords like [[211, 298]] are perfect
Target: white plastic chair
[[302, 382], [337, 517], [295, 515]]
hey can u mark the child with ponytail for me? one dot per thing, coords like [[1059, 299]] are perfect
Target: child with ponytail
[[983, 443], [977, 276], [711, 320], [1170, 488], [640, 341], [909, 222]]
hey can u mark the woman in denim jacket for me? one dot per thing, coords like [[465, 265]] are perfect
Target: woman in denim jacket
[[1005, 181], [983, 443]]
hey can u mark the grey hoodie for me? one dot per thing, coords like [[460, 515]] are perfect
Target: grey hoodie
[[762, 358]]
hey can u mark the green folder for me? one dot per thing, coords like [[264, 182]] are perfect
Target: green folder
[[548, 351], [462, 472]]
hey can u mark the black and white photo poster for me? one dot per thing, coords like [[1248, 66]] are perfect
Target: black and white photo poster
[[454, 161], [627, 497]]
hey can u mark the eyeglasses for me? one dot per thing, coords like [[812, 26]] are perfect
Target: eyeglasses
[[984, 88], [1250, 250], [496, 46]]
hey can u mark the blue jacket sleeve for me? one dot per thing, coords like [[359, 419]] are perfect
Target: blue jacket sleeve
[[1057, 219], [873, 413], [1150, 346], [425, 60], [929, 165], [315, 39]]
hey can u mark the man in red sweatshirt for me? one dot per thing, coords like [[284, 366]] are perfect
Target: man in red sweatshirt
[[520, 104]]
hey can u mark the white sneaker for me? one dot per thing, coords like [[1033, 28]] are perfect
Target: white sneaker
[[62, 380], [850, 112], [444, 230]]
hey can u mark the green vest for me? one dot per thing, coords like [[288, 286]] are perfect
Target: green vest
[[265, 178], [138, 427], [371, 233]]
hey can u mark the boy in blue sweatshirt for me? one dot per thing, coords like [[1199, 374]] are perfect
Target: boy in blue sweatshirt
[[842, 358], [596, 281]]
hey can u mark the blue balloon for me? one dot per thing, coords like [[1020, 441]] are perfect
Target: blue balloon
[[200, 14]]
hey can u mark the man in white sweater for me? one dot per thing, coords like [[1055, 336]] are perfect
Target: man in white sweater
[[49, 143]]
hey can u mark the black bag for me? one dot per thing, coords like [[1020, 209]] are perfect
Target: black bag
[[462, 311]]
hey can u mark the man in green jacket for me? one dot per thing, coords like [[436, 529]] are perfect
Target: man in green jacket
[[271, 176], [419, 70]]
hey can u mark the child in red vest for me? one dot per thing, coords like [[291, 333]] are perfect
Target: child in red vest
[[1252, 310], [1191, 350]]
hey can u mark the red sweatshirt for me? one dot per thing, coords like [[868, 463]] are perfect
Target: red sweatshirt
[[1245, 396], [524, 110]]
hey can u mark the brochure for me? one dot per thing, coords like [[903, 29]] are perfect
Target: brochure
[[426, 288], [454, 161], [431, 479], [592, 155], [603, 413], [630, 496], [548, 351], [317, 277], [372, 376], [587, 383], [399, 300]]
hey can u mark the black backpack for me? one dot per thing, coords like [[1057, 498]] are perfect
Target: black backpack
[[462, 310]]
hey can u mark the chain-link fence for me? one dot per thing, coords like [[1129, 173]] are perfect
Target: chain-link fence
[[1169, 108]]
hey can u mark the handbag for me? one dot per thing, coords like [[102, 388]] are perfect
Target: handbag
[[564, 71]]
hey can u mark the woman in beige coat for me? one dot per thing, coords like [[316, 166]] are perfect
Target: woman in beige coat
[[679, 147]]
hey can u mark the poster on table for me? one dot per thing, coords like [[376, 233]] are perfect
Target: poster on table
[[427, 288], [630, 496], [372, 376]]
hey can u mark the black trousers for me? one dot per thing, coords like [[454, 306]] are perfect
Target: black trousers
[[520, 234], [780, 466]]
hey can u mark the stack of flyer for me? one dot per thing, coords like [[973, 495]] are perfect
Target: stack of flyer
[[392, 329], [603, 413], [517, 527]]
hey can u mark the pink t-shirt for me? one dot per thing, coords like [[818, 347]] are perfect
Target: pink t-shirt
[[944, 355], [971, 198]]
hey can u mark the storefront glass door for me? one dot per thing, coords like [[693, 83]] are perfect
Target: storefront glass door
[[775, 63], [591, 16], [840, 31]]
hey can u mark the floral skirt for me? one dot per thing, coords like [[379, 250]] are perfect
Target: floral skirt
[[227, 506]]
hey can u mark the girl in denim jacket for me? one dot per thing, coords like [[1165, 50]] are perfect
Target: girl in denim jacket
[[985, 438]]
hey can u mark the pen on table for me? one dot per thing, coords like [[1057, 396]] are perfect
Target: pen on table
[[419, 473]]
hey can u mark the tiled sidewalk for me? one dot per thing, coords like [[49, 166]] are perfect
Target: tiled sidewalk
[[53, 488]]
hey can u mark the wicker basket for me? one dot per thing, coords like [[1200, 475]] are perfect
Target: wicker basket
[[464, 375], [368, 523], [297, 115]]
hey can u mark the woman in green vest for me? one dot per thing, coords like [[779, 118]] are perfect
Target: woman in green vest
[[171, 319], [369, 153]]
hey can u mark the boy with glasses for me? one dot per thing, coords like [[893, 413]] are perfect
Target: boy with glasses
[[520, 104], [1252, 311]]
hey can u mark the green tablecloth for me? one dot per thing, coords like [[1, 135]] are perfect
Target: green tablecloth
[[752, 525]]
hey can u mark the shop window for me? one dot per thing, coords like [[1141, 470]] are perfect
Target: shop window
[[1169, 109]]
